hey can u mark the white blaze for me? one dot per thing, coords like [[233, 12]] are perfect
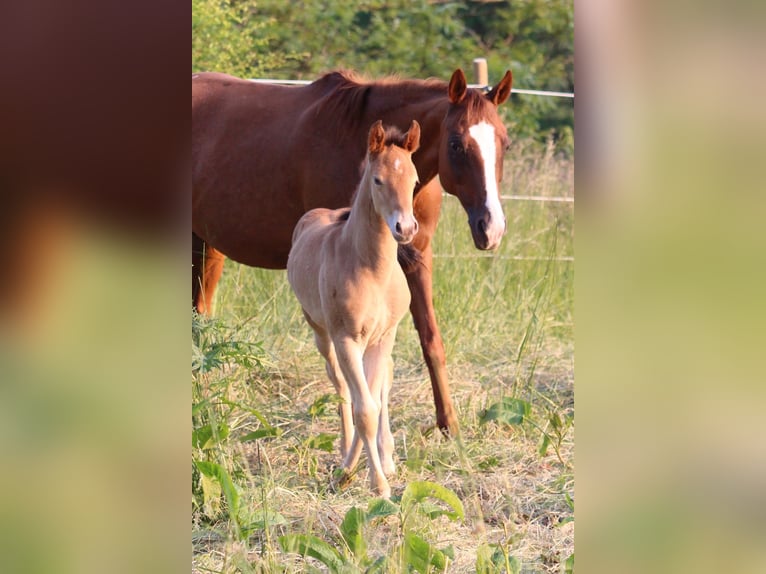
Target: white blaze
[[484, 136]]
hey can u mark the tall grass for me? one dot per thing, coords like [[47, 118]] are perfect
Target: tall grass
[[507, 323]]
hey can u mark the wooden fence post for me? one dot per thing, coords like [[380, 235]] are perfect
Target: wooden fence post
[[480, 71]]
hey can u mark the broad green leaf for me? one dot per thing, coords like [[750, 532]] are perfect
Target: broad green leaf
[[380, 507], [484, 560], [204, 437], [351, 530], [260, 433], [219, 473], [319, 406], [261, 519], [508, 411], [211, 495], [418, 491], [308, 545], [323, 441], [421, 555]]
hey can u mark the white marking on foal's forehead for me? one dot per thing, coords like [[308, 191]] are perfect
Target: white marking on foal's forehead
[[398, 164]]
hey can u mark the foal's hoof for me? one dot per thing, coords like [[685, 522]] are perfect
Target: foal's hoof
[[389, 468], [341, 479]]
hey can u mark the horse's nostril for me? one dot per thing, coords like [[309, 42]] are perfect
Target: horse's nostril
[[398, 227], [482, 226]]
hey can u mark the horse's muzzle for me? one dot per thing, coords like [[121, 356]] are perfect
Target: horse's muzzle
[[487, 232]]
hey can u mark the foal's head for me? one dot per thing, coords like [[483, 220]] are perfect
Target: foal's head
[[392, 177], [471, 147]]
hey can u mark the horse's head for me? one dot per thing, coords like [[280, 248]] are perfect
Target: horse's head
[[393, 177], [471, 147]]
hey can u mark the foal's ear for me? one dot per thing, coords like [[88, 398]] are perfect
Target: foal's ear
[[457, 87], [412, 137], [502, 90], [377, 139]]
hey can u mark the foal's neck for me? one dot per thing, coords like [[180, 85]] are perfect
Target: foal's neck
[[367, 232]]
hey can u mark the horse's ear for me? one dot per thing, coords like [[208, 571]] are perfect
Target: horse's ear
[[412, 137], [502, 90], [457, 87], [377, 139]]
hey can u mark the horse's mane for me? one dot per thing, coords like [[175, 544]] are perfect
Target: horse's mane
[[346, 92]]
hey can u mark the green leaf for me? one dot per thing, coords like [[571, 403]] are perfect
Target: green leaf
[[204, 437], [261, 519], [491, 559], [569, 564], [351, 530], [323, 441], [211, 495], [508, 411], [308, 545], [379, 566], [418, 491], [489, 462], [544, 444], [485, 563], [421, 555], [380, 507], [319, 406], [219, 473], [569, 501], [261, 433]]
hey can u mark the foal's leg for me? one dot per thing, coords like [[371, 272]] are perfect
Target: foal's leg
[[385, 438], [327, 350], [366, 409], [379, 368], [207, 266]]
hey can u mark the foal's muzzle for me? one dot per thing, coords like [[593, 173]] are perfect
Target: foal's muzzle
[[404, 228]]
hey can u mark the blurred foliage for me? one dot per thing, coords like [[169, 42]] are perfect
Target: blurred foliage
[[411, 38]]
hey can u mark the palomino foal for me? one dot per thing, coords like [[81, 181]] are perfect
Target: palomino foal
[[343, 268]]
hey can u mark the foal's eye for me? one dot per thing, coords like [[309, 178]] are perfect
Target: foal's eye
[[455, 146], [377, 180]]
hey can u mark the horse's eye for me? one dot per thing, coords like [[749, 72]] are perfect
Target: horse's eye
[[377, 180], [455, 146]]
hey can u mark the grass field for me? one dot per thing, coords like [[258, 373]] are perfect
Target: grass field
[[265, 424]]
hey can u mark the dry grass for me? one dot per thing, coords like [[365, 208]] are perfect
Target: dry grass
[[507, 325]]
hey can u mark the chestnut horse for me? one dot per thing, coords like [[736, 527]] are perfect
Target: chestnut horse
[[344, 271], [263, 155]]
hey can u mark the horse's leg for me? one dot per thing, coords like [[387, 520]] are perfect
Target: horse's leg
[[327, 350], [207, 266], [366, 409], [379, 369], [427, 205]]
